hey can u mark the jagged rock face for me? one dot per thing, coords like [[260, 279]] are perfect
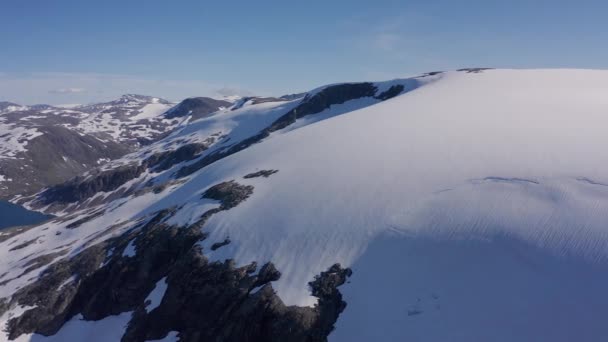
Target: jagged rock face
[[197, 107], [203, 301]]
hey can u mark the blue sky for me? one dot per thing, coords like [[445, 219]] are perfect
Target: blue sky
[[82, 51]]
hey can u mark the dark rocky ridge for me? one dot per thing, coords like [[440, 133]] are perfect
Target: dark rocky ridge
[[309, 105], [230, 194], [198, 107], [290, 97], [261, 173], [312, 104], [83, 187], [474, 70], [165, 160], [391, 92], [204, 301]]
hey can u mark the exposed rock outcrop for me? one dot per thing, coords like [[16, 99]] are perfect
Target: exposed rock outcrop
[[474, 70], [261, 173], [197, 107], [204, 301], [81, 188], [230, 194], [163, 161]]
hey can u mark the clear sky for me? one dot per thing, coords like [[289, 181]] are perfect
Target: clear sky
[[82, 51]]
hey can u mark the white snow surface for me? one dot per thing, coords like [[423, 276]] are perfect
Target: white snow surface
[[130, 250], [471, 208], [151, 111], [335, 191], [156, 296]]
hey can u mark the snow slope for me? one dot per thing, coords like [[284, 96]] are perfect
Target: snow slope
[[473, 207]]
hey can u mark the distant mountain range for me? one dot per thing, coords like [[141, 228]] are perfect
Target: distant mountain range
[[42, 145]]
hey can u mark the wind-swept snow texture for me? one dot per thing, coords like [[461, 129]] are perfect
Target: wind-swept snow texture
[[471, 208]]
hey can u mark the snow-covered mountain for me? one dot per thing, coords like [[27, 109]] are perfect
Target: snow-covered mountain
[[135, 119], [43, 145], [458, 206]]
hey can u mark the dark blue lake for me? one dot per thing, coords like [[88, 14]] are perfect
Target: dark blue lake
[[13, 215]]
